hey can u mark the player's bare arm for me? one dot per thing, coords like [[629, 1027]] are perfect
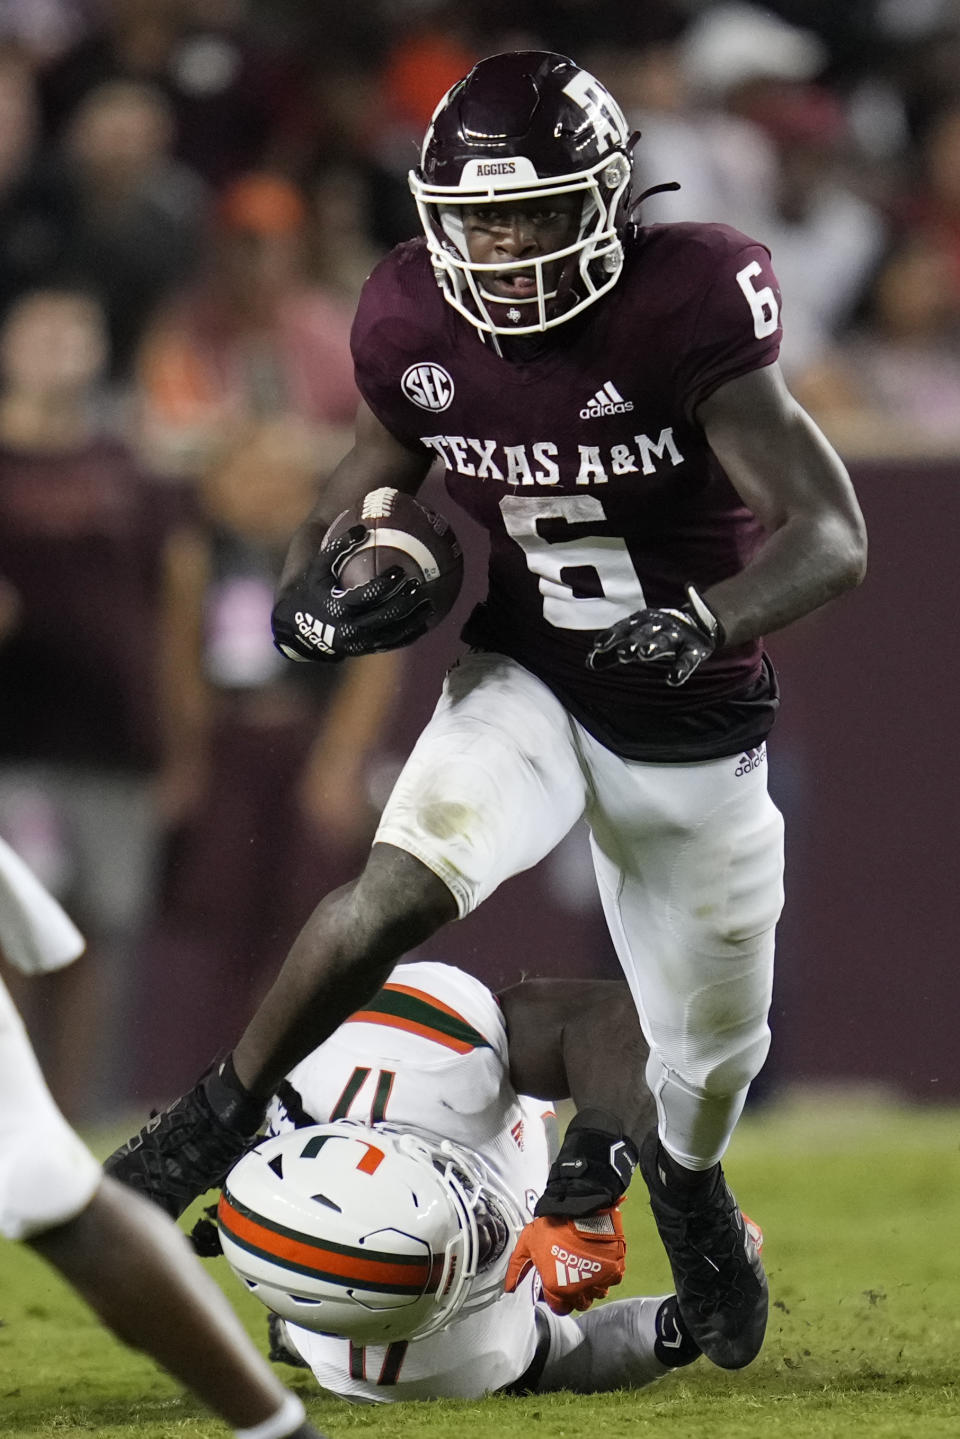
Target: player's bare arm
[[376, 458], [579, 1039], [789, 475]]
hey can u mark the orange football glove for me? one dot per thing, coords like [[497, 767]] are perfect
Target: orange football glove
[[577, 1259]]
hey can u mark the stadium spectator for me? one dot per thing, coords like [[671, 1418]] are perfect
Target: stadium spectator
[[254, 339], [276, 795], [827, 239], [111, 1246], [36, 213], [932, 208], [722, 162], [86, 718], [340, 248], [136, 213], [731, 111], [106, 206], [891, 386], [429, 48], [224, 89]]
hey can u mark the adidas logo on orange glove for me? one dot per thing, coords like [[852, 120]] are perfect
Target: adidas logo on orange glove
[[578, 1260]]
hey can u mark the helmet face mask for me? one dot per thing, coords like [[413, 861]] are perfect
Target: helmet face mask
[[525, 128], [368, 1232]]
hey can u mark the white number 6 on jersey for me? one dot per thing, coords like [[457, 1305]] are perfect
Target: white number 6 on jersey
[[763, 302], [606, 555]]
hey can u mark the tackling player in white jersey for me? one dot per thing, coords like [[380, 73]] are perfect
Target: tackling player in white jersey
[[415, 1106]]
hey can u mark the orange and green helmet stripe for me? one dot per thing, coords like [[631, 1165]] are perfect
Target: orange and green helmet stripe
[[343, 1264]]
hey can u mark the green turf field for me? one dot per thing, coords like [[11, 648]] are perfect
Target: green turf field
[[860, 1201]]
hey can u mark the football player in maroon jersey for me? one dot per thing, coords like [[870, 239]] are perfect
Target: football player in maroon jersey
[[606, 400]]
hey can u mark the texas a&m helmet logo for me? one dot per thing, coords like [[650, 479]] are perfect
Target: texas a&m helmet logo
[[428, 385]]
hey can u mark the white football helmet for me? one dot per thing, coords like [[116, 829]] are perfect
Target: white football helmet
[[368, 1232]]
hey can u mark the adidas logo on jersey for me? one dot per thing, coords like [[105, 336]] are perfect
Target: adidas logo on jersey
[[607, 401], [751, 759]]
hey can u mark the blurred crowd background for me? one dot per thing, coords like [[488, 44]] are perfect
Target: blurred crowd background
[[191, 195]]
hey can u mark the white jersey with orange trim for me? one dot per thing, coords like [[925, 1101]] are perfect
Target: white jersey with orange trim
[[429, 1050]]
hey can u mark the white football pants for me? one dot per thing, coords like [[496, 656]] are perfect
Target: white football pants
[[688, 859], [611, 1346]]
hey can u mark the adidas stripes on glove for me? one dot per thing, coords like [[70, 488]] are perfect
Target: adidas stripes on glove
[[314, 620], [578, 1260]]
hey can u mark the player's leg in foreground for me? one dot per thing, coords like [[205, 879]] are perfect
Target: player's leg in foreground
[[339, 960], [471, 801], [692, 906], [115, 1249], [120, 1248]]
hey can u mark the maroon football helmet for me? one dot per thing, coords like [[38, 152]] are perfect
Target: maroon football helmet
[[526, 125]]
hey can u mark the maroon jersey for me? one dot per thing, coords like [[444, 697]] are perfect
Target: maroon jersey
[[585, 463], [81, 539]]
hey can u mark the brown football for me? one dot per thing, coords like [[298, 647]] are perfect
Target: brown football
[[401, 531]]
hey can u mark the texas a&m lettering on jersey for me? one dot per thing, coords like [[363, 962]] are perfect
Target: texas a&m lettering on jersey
[[584, 461], [539, 463]]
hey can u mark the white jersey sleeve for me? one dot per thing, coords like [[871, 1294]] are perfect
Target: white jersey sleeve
[[429, 1050]]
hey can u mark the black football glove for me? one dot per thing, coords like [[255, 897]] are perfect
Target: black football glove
[[314, 620], [204, 1237], [593, 1168], [682, 638]]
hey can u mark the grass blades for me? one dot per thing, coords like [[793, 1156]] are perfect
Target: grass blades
[[859, 1199]]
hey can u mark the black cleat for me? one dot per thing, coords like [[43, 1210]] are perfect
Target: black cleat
[[185, 1150], [714, 1253]]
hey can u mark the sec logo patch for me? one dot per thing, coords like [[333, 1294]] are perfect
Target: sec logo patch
[[427, 385]]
